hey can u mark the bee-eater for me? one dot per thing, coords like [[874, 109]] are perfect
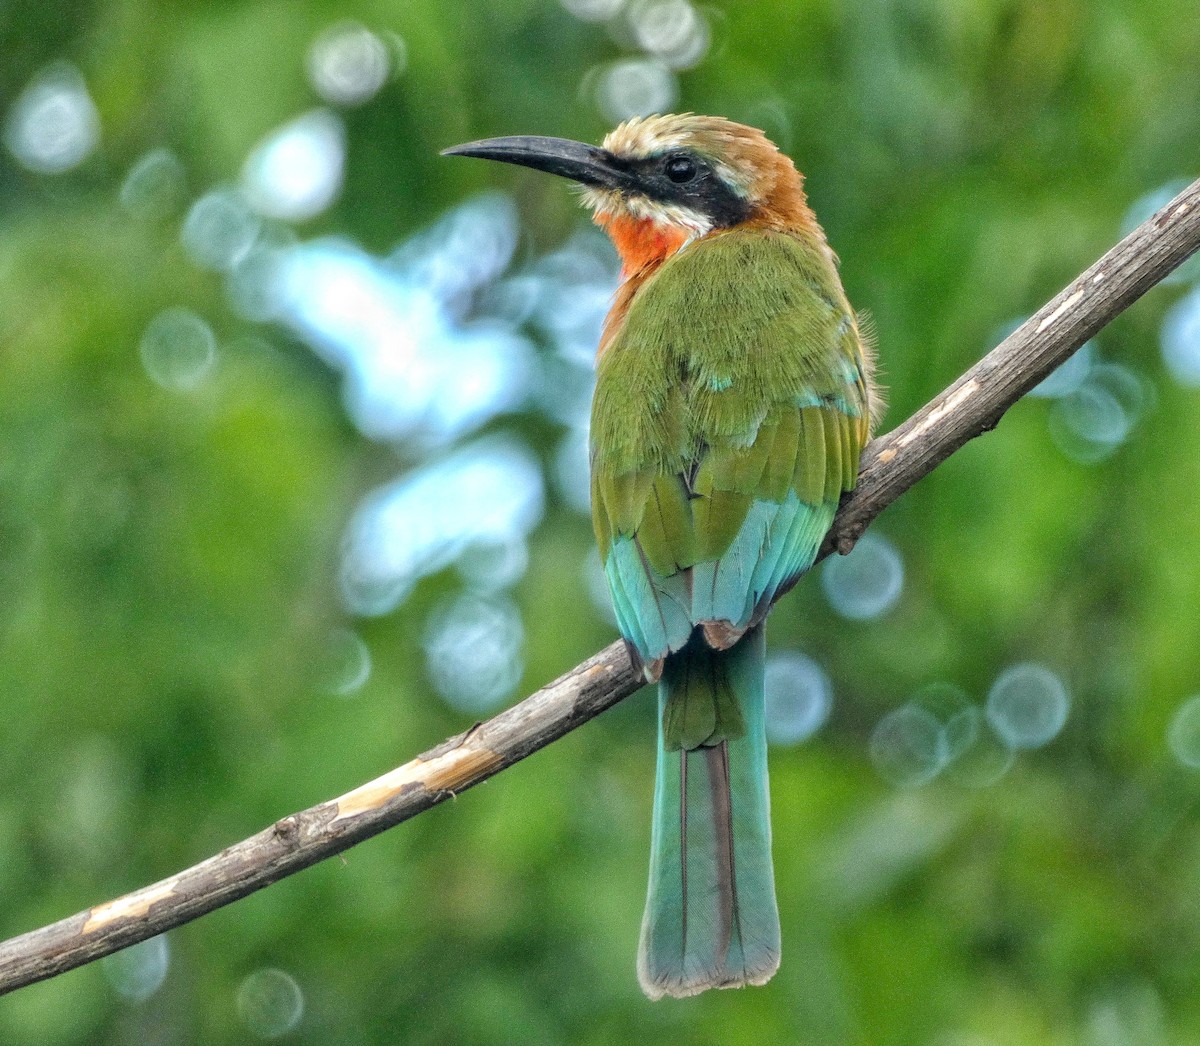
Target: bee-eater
[[734, 394]]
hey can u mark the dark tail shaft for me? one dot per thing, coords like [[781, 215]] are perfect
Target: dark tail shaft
[[711, 920]]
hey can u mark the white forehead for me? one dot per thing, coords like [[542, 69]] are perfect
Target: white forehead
[[648, 135]]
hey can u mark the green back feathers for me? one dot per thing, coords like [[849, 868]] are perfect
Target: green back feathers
[[729, 415]]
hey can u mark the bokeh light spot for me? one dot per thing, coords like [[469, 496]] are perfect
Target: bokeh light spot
[[154, 186], [346, 666], [908, 746], [178, 349], [961, 730], [473, 652], [138, 972], [488, 493], [799, 698], [270, 1003], [53, 125], [1130, 389], [255, 286], [1098, 404], [636, 87], [973, 756], [671, 30], [867, 582], [1069, 375], [951, 707], [1027, 706], [981, 758], [296, 171], [575, 285], [219, 230], [348, 64], [1181, 339], [1183, 735], [493, 566], [1128, 1013], [414, 367], [571, 471], [1089, 424], [593, 10]]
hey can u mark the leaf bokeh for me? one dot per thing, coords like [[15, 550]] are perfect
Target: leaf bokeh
[[213, 610]]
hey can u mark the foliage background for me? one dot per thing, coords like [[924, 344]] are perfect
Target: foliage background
[[170, 557]]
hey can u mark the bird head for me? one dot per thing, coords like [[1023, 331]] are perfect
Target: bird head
[[659, 182]]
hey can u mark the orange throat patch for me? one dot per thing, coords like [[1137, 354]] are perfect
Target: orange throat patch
[[641, 242]]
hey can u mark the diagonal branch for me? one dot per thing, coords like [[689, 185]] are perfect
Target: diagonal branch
[[971, 406]]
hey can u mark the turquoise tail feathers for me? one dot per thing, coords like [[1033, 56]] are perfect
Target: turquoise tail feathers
[[711, 920]]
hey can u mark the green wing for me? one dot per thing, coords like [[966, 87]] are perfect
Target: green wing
[[729, 415]]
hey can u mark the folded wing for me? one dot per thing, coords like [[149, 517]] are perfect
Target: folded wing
[[732, 414]]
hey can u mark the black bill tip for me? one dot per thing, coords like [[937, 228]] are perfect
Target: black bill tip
[[583, 163]]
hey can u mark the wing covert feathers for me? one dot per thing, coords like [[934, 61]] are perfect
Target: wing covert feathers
[[730, 412]]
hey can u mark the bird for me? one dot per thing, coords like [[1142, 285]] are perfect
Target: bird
[[734, 394]]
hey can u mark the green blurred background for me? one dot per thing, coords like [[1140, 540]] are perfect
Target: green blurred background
[[291, 488]]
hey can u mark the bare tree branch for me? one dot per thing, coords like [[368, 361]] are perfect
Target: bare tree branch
[[893, 463]]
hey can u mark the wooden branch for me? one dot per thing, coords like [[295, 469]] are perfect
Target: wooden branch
[[976, 402], [893, 463]]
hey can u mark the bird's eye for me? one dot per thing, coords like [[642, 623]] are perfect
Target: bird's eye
[[680, 169]]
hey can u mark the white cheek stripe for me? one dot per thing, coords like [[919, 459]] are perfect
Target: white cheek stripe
[[641, 207]]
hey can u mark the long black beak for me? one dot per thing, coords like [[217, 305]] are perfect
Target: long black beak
[[575, 160]]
